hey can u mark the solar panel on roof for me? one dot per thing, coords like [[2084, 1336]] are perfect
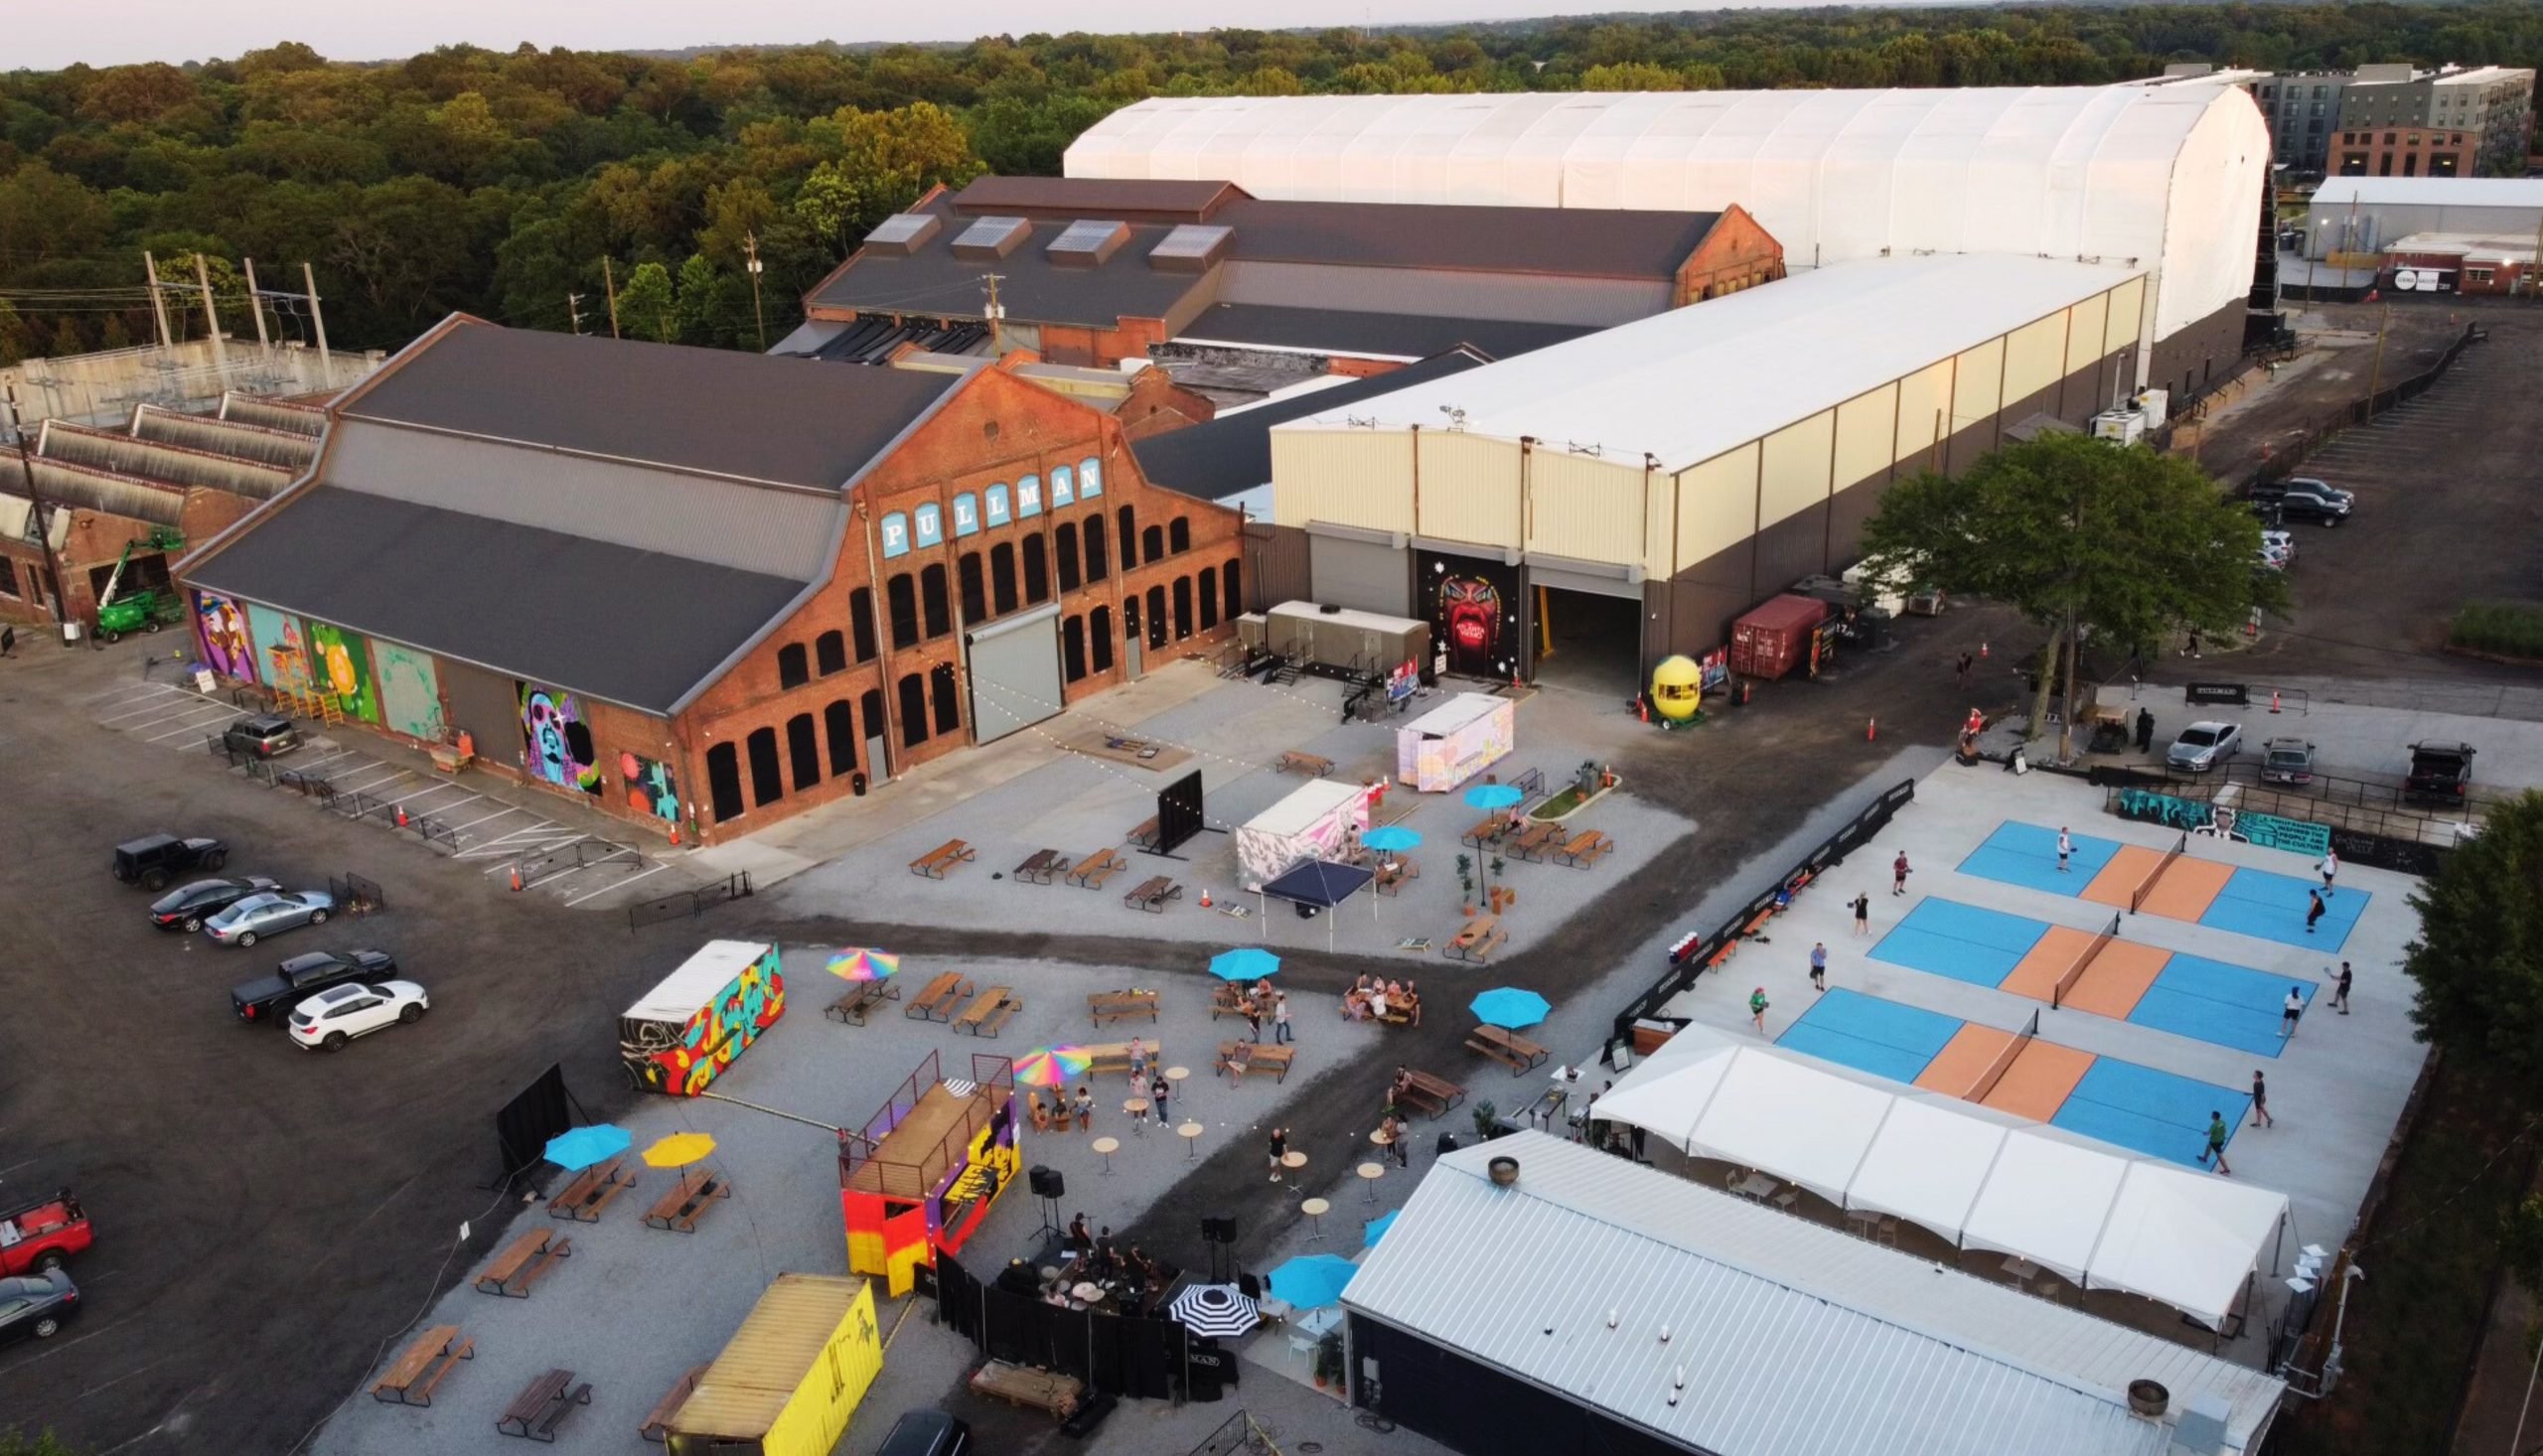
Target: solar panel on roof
[[1191, 247], [992, 238]]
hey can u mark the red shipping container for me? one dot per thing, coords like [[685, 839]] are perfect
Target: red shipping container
[[1773, 639]]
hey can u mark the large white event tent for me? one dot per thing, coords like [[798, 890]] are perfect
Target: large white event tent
[[2098, 1216]]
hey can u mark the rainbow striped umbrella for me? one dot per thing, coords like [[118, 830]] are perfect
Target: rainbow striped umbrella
[[1052, 1066], [864, 965]]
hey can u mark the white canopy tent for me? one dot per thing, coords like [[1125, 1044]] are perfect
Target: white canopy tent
[[2098, 1216]]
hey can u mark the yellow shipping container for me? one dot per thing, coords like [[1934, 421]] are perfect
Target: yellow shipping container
[[792, 1376]]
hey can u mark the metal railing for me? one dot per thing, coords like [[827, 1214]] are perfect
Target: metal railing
[[689, 904], [2284, 460]]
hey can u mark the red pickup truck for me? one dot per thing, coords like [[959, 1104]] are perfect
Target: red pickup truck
[[41, 1235]]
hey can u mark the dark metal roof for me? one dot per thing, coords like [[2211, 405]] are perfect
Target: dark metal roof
[[1228, 456], [874, 339], [762, 417], [1141, 199], [1580, 243], [1342, 331], [1033, 290], [637, 627]]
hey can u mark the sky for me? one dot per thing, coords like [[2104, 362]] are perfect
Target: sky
[[120, 31]]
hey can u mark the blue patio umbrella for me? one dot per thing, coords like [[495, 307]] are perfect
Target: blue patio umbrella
[[1508, 1006], [1493, 795], [578, 1148], [1250, 963], [1312, 1281], [1391, 837], [1376, 1228]]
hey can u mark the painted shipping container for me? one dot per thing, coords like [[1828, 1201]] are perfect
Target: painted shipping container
[[680, 1036], [1773, 639], [791, 1377]]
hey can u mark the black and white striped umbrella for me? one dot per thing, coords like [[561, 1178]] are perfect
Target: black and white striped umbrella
[[1215, 1310]]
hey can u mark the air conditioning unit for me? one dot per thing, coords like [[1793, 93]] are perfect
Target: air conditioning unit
[[2122, 426], [2157, 403]]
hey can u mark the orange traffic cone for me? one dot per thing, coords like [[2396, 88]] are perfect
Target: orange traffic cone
[[2273, 699], [515, 877], [1872, 729], [1205, 897], [675, 835]]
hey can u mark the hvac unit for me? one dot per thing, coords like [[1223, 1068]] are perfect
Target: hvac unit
[[2157, 403], [2122, 426]]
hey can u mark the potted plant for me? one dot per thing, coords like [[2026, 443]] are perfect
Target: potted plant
[[1466, 882], [1487, 1119]]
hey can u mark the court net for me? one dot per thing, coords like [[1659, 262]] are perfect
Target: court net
[[2005, 1061], [2154, 877], [2084, 962]]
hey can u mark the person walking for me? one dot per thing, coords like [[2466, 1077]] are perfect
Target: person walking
[[1966, 663], [1757, 1009], [1899, 874], [2193, 642], [1280, 1150], [1160, 1092], [1819, 967], [1863, 914], [2145, 730], [1280, 1018], [2066, 848], [1254, 1019], [2294, 1009], [2216, 1135], [2260, 1101], [2313, 911], [1139, 1060], [1084, 1110], [2330, 868], [2339, 991]]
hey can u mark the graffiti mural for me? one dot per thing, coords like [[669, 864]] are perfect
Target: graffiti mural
[[410, 692], [339, 660], [280, 652], [220, 632], [2295, 836], [557, 744], [2163, 808], [1474, 611], [650, 789], [681, 1055]]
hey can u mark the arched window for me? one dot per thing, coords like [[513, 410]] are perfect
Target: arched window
[[1037, 572], [1234, 591], [1178, 534], [1099, 637], [860, 622], [901, 596], [1128, 535], [976, 594], [768, 782], [913, 692], [724, 782], [1073, 647], [1182, 607], [830, 651], [1002, 576], [803, 751], [1095, 569], [947, 693], [1209, 590], [931, 594], [790, 669], [869, 712], [1152, 544], [1156, 616], [1064, 546], [1130, 618], [838, 724]]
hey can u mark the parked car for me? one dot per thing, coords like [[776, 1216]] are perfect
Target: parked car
[[40, 1237], [925, 1433], [153, 860], [186, 907], [2280, 541], [2325, 488], [334, 1016], [2287, 760], [2441, 773], [267, 735], [37, 1306], [268, 914], [2204, 745], [302, 976], [2302, 500]]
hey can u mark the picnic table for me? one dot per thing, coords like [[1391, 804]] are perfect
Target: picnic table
[[542, 1404], [1145, 835], [1479, 937], [1585, 850], [1487, 832], [1392, 873], [942, 857], [1227, 1000], [1152, 894], [1104, 1006], [1105, 1057], [861, 998], [423, 1363], [657, 1424], [688, 1202], [1536, 842], [523, 1263], [990, 1013], [1294, 761], [1039, 867], [1097, 867], [1428, 1094], [936, 1003], [1017, 1384], [1233, 1058], [591, 1190], [1506, 1046]]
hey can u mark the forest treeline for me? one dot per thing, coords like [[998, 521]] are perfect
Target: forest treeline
[[498, 182]]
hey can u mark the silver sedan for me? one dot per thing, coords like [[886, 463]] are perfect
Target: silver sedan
[[259, 916]]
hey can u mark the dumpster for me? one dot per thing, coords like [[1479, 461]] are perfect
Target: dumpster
[[789, 1378], [1773, 639], [681, 1035]]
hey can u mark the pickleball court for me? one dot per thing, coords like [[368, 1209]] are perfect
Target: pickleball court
[[2176, 883]]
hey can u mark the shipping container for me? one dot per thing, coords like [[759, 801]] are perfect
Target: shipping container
[[791, 1377], [1342, 636], [680, 1035], [1773, 639]]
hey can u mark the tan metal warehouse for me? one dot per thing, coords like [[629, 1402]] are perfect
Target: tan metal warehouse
[[1696, 462]]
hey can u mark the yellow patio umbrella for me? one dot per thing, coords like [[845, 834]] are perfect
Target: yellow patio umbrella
[[679, 1151]]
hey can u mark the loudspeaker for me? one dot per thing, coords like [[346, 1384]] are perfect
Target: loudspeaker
[[1249, 1285], [1047, 1182], [1218, 1231]]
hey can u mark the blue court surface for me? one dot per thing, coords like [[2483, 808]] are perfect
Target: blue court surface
[[2271, 907], [2152, 1112], [2211, 1001], [1870, 1034], [2026, 855], [1963, 941]]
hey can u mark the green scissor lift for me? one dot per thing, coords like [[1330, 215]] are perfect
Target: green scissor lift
[[137, 611]]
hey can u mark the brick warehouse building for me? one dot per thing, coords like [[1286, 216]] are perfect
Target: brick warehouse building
[[709, 589]]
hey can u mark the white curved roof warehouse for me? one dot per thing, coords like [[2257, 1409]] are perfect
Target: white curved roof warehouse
[[2164, 177]]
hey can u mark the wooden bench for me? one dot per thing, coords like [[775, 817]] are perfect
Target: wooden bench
[[1145, 835], [1393, 874], [942, 857], [523, 1263], [1533, 843], [688, 1202], [936, 1003], [1429, 1095], [1508, 1047], [860, 999], [990, 1012], [1486, 832], [435, 1353], [591, 1190], [1478, 939], [1106, 1057], [658, 1423], [1097, 867], [1229, 1001], [1152, 894], [1040, 866], [1313, 766], [541, 1405], [1268, 1057], [1106, 1006], [1586, 849]]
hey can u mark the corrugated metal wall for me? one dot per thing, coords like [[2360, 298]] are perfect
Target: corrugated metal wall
[[1469, 488], [1360, 478], [1359, 574], [1592, 509]]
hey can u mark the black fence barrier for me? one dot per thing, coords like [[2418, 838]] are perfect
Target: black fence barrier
[[356, 895], [1145, 1356], [434, 832], [1695, 954], [2289, 458], [2228, 694], [689, 904]]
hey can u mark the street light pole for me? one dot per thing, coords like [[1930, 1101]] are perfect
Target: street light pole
[[750, 243]]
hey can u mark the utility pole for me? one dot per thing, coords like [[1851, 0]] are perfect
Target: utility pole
[[750, 244], [996, 316], [610, 282], [575, 311], [203, 275], [256, 305], [42, 511], [158, 305], [318, 320]]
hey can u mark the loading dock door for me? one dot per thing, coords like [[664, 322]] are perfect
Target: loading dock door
[[1359, 574], [1014, 669]]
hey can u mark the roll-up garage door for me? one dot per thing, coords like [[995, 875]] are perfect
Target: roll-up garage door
[[485, 708], [1598, 580], [1015, 673], [1371, 576]]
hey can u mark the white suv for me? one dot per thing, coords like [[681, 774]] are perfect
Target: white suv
[[334, 1016]]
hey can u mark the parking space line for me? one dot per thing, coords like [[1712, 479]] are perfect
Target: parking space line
[[605, 889], [578, 869], [490, 819], [412, 799], [339, 755], [368, 784], [192, 717], [127, 693], [156, 705], [182, 728]]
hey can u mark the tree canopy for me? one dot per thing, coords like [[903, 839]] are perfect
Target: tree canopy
[[2478, 959]]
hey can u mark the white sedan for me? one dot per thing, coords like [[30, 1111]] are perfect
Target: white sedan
[[334, 1016]]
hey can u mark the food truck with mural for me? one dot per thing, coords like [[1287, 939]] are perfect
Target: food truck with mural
[[679, 1035]]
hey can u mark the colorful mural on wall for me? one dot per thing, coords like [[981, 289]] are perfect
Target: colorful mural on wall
[[280, 652], [557, 744], [220, 634], [410, 692], [680, 1055], [339, 660], [650, 789]]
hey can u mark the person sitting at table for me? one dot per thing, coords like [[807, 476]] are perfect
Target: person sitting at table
[[1403, 1083], [1412, 1002], [1041, 1114], [1376, 1005]]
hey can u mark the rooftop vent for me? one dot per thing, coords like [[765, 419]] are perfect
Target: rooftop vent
[[902, 233], [1192, 248], [1086, 244], [992, 238]]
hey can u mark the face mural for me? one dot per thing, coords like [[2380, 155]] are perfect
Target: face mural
[[556, 743], [650, 789], [222, 629], [340, 664], [1473, 606]]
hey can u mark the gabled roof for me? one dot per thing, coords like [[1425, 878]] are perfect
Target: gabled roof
[[1362, 333], [1068, 198], [1556, 241], [1232, 454]]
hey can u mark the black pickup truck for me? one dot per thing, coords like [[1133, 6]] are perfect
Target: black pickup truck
[[2441, 773], [270, 998]]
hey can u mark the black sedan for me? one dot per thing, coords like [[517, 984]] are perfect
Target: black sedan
[[186, 907], [37, 1306]]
